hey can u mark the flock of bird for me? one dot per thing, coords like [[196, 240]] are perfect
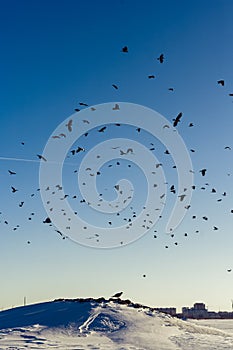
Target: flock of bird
[[73, 152]]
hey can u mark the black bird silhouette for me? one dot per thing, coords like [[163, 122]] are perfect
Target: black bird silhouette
[[116, 107], [102, 129], [228, 270], [177, 119], [161, 58], [203, 172], [125, 49], [69, 125], [83, 104], [11, 172], [221, 82], [77, 110], [117, 295], [41, 157], [190, 125], [47, 221], [172, 189], [230, 94], [151, 76], [79, 149], [115, 86], [171, 89], [13, 189]]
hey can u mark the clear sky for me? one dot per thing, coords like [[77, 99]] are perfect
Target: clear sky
[[57, 54]]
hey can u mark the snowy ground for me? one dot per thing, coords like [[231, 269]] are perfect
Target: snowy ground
[[92, 325]]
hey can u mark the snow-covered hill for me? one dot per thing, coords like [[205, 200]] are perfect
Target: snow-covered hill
[[93, 324]]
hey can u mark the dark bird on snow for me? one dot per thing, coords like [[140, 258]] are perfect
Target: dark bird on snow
[[117, 295], [177, 119], [116, 107], [161, 58]]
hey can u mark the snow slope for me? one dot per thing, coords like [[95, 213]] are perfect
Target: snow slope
[[93, 324]]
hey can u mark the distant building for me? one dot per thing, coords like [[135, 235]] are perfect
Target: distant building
[[167, 310], [197, 311]]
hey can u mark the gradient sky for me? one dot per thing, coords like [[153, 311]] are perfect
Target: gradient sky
[[57, 54]]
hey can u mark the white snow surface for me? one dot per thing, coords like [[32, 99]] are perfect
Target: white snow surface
[[89, 324]]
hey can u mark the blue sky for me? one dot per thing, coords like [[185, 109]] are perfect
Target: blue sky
[[55, 55]]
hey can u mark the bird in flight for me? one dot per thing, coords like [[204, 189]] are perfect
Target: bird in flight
[[221, 82], [47, 221], [41, 157], [69, 125], [102, 129], [11, 172], [203, 172], [125, 49], [83, 104], [161, 58], [151, 76], [115, 86], [177, 119], [13, 189]]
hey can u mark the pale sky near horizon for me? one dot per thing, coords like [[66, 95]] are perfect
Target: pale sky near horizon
[[55, 55]]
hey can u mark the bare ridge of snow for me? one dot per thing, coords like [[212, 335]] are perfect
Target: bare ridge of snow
[[81, 324]]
